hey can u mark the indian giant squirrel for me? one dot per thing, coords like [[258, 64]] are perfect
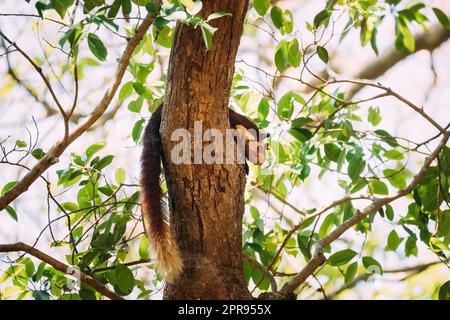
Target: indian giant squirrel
[[156, 221]]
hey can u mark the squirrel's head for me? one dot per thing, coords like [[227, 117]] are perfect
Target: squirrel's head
[[255, 144]]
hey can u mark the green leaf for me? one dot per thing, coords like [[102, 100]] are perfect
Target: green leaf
[[190, 5], [303, 245], [90, 4], [322, 18], [393, 241], [137, 130], [411, 246], [373, 41], [356, 166], [430, 196], [87, 293], [300, 134], [40, 295], [21, 144], [437, 245], [207, 34], [136, 105], [350, 273], [61, 6], [104, 162], [407, 37], [300, 122], [374, 116], [160, 23], [323, 54], [442, 17], [106, 190], [332, 151], [97, 47], [218, 15], [327, 224], [358, 185], [40, 270], [372, 265], [114, 8], [282, 56], [8, 187], [386, 137], [143, 248], [261, 6], [263, 109], [38, 153], [288, 22], [285, 106], [444, 225], [72, 36], [395, 178], [341, 257], [126, 91], [120, 175], [12, 213], [276, 14], [294, 53], [69, 206], [341, 160], [29, 267], [378, 187], [304, 173], [126, 7], [389, 212], [124, 279], [279, 152], [165, 35], [393, 154], [91, 150], [151, 8], [444, 291], [367, 28], [141, 71], [70, 179]]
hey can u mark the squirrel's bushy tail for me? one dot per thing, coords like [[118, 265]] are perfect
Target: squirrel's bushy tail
[[161, 239]]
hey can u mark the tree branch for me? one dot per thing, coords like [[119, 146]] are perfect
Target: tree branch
[[100, 288], [58, 148], [390, 92], [314, 215], [319, 258], [365, 276], [429, 40]]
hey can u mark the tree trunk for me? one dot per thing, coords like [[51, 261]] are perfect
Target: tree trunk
[[206, 200]]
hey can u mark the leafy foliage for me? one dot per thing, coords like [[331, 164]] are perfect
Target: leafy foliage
[[312, 136]]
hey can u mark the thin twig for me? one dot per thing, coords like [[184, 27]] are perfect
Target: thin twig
[[58, 148], [39, 71]]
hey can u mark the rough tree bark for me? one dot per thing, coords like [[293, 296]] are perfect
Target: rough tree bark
[[206, 201]]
